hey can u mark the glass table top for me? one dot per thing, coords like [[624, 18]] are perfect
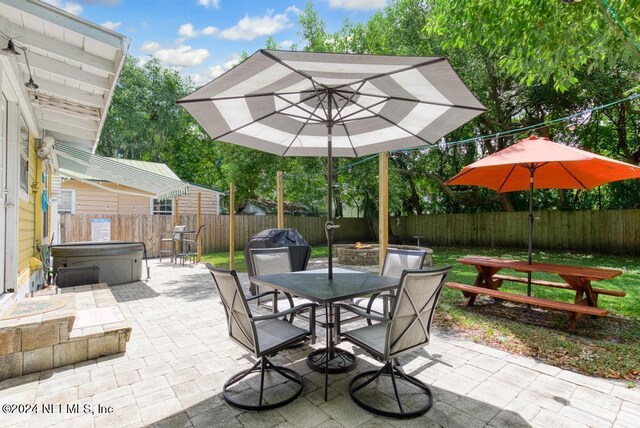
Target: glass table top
[[317, 287]]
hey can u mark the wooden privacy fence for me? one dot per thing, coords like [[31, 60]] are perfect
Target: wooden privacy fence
[[613, 232], [148, 228]]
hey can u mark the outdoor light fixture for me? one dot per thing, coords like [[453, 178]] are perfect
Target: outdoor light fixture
[[10, 49], [30, 84]]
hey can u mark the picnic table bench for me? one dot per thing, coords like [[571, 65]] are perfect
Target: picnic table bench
[[576, 278]]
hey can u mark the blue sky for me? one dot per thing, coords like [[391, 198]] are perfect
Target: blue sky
[[203, 38]]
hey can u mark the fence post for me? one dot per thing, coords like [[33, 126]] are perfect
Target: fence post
[[383, 207], [280, 200], [232, 224], [198, 223]]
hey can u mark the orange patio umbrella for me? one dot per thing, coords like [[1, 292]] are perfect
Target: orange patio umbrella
[[538, 163]]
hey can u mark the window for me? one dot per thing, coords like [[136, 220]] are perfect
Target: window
[[162, 207], [67, 203], [24, 156]]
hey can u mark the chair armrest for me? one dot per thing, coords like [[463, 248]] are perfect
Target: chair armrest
[[285, 312], [257, 296], [360, 312]]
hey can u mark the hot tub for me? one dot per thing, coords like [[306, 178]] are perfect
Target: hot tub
[[119, 262]]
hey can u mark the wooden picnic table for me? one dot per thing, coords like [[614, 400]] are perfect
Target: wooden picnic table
[[576, 278]]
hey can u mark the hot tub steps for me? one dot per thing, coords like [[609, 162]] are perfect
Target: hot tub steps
[[86, 326]]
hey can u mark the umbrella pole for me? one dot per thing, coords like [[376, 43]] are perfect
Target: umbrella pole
[[530, 251], [329, 225]]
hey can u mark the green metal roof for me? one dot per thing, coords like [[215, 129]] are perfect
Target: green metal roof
[[151, 177]]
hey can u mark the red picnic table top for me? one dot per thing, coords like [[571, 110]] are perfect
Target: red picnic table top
[[588, 273]]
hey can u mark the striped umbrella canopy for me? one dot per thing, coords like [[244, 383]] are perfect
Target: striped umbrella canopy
[[324, 104]]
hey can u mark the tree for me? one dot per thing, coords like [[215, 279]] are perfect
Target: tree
[[542, 41]]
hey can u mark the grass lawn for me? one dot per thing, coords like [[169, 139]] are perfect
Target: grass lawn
[[603, 346]]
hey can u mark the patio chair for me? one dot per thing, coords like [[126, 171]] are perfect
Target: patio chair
[[263, 336], [189, 245], [395, 262], [171, 239], [267, 261], [407, 329]]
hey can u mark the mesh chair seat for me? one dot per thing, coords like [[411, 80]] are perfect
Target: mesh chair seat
[[370, 337], [276, 334], [396, 261], [262, 335], [407, 329], [267, 261]]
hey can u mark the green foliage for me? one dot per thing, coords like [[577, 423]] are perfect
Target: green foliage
[[540, 41]]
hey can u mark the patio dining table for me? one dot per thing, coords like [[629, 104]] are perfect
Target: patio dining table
[[314, 285]]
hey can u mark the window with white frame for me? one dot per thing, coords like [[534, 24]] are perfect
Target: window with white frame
[[67, 202], [24, 156], [162, 207]]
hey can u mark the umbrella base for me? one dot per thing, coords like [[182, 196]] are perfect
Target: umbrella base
[[342, 361]]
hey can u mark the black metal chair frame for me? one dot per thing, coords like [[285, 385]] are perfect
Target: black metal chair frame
[[392, 367], [387, 297], [249, 340], [173, 237], [186, 250]]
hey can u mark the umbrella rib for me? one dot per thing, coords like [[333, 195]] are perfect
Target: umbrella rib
[[572, 175], [394, 124], [420, 101], [300, 130], [353, 94], [361, 110], [401, 70], [292, 104], [344, 126], [238, 97], [284, 64], [507, 177], [254, 121]]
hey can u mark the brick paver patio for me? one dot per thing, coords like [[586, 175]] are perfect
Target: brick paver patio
[[179, 356]]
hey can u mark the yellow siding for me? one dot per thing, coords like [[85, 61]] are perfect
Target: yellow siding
[[28, 226], [188, 204]]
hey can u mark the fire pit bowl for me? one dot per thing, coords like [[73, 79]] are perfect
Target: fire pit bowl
[[350, 255]]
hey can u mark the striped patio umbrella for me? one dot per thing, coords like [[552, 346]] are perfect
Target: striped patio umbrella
[[324, 104]]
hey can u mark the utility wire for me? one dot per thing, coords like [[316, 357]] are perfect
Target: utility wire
[[622, 26]]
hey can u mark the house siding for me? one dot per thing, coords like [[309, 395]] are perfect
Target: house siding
[[30, 229], [188, 204], [94, 200]]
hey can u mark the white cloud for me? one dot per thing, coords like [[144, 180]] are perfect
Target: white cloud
[[217, 70], [181, 56], [248, 28], [357, 4], [150, 47], [208, 31], [67, 6], [210, 3], [286, 44], [188, 31], [111, 25]]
